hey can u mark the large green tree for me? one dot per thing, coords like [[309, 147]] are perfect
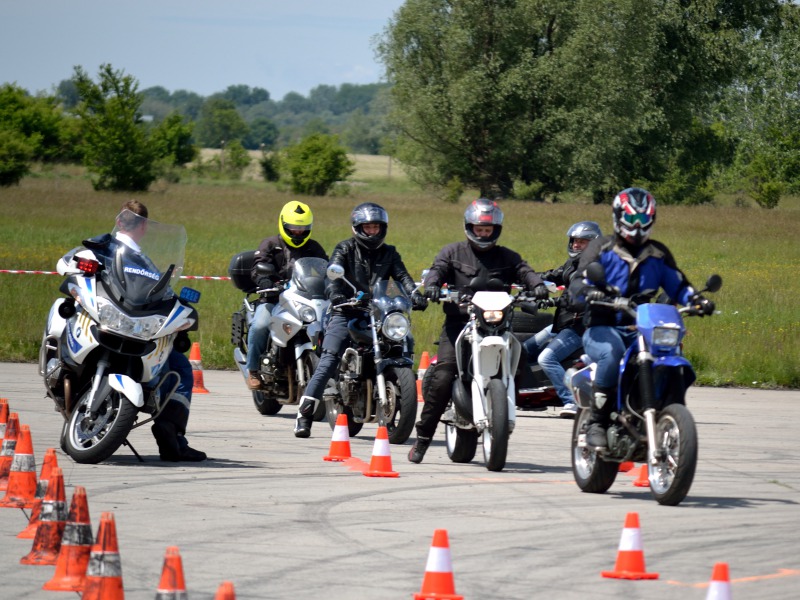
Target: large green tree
[[219, 122], [587, 94]]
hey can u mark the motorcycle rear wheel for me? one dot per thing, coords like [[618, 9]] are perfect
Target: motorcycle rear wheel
[[495, 437], [592, 473], [310, 362], [266, 405], [92, 443], [461, 443], [334, 408], [676, 438]]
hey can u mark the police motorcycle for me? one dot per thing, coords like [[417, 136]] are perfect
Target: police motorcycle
[[375, 381], [105, 348], [650, 421], [290, 357], [487, 354]]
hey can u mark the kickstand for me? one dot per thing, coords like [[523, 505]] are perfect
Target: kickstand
[[129, 445]]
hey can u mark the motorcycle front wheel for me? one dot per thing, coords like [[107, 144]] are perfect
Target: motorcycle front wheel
[[676, 443], [461, 443], [592, 473], [93, 441], [495, 437], [401, 396]]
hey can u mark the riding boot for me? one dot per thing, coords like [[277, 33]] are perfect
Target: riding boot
[[305, 416], [597, 423], [418, 450]]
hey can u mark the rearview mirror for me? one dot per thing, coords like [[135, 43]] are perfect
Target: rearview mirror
[[335, 272]]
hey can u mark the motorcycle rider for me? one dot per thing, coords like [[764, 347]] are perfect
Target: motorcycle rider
[[457, 264], [278, 253], [169, 428], [557, 341], [638, 267], [366, 259]]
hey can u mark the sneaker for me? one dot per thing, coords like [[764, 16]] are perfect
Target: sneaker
[[253, 380], [568, 411], [596, 436], [418, 450]]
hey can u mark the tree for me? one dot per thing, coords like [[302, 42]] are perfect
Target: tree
[[16, 153], [219, 122], [316, 163], [116, 148], [37, 120], [263, 134], [172, 141]]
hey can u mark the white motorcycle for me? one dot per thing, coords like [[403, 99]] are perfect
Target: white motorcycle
[[295, 331], [483, 400], [106, 345]]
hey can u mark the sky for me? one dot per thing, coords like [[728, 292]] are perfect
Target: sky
[[201, 46]]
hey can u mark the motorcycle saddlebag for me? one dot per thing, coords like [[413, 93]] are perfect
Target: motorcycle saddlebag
[[239, 271]]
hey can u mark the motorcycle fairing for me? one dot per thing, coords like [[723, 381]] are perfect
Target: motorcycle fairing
[[128, 388]]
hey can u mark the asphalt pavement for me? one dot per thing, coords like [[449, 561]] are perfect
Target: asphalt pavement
[[268, 514]]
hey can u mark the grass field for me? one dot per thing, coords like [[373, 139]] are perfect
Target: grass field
[[754, 342]]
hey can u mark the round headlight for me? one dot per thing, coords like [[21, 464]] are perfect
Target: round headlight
[[308, 314], [396, 326]]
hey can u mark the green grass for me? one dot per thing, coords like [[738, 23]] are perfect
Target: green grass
[[754, 342]]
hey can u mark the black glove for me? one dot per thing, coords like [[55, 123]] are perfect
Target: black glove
[[364, 299], [432, 292], [705, 305], [264, 283], [539, 292], [594, 295], [337, 299], [419, 301]]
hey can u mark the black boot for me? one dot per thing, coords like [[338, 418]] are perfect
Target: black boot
[[167, 439], [305, 416], [418, 450], [598, 419]]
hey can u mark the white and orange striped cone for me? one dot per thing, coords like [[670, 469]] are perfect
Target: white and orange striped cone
[[630, 557], [381, 463], [7, 451], [424, 363], [104, 573], [172, 585], [225, 591], [719, 588], [21, 490], [340, 441], [76, 547], [50, 461], [47, 543], [197, 370], [3, 416], [438, 582]]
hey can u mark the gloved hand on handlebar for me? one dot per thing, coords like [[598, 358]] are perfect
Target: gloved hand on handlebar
[[432, 292], [595, 295], [705, 305], [539, 292], [419, 301], [337, 299]]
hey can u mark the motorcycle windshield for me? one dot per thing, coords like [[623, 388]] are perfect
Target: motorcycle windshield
[[388, 296], [308, 277], [145, 259]]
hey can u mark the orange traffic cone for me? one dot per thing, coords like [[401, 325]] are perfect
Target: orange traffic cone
[[643, 480], [50, 461], [626, 466], [438, 580], [7, 452], [3, 416], [172, 585], [21, 489], [720, 586], [225, 591], [104, 573], [424, 363], [76, 546], [47, 542], [630, 557], [381, 463], [197, 369], [340, 441]]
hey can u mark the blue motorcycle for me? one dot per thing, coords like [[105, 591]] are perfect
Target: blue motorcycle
[[650, 422]]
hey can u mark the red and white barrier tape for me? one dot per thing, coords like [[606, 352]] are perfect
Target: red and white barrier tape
[[202, 277]]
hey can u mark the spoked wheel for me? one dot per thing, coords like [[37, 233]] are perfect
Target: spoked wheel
[[92, 441], [495, 437], [461, 443], [333, 408], [265, 404], [401, 404], [676, 445], [310, 361], [592, 473]]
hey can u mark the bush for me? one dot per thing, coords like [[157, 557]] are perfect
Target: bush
[[270, 166], [768, 194], [316, 163], [453, 190], [528, 191], [16, 153]]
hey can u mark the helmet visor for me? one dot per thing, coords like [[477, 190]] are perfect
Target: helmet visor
[[639, 220]]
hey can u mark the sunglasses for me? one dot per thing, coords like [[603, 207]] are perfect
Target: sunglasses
[[637, 219]]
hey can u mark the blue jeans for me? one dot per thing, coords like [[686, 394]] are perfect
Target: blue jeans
[[336, 340], [258, 335], [606, 346], [560, 347], [536, 343]]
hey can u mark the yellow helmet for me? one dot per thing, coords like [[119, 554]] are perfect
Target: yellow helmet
[[294, 223]]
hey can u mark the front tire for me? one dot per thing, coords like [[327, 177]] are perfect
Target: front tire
[[401, 396], [495, 437], [92, 442], [676, 440], [591, 472], [461, 443]]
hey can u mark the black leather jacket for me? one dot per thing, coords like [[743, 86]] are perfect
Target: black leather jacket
[[273, 250], [567, 315], [363, 267]]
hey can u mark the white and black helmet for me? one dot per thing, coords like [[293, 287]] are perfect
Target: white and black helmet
[[583, 230], [369, 212], [483, 212]]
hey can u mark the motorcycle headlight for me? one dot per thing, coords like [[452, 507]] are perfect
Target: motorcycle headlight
[[113, 319], [307, 313], [396, 326], [493, 316], [665, 336]]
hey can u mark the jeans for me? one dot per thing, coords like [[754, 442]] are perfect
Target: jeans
[[333, 346], [606, 346], [560, 347], [538, 342], [258, 335]]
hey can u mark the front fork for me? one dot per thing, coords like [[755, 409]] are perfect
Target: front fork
[[380, 380], [647, 395]]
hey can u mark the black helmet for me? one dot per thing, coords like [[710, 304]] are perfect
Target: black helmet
[[634, 215], [483, 212], [369, 212], [583, 230]]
